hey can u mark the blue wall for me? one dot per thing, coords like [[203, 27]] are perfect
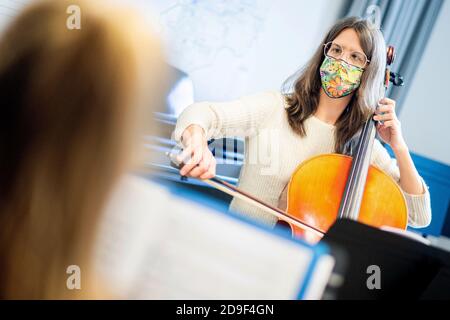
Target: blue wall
[[437, 176]]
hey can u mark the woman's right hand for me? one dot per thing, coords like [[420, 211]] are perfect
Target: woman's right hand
[[198, 160]]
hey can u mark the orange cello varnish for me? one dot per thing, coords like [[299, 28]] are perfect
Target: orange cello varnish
[[383, 202], [317, 185]]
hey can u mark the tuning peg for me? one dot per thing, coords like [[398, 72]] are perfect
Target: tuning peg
[[396, 79], [390, 56]]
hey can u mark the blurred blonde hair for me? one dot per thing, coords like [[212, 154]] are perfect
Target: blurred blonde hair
[[71, 101]]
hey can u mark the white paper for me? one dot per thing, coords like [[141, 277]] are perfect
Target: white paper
[[156, 246]]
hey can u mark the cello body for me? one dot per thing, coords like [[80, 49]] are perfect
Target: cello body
[[317, 186]]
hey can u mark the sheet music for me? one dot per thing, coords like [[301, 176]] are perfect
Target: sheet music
[[9, 9], [156, 247]]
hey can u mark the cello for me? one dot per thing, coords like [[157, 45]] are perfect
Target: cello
[[333, 186]]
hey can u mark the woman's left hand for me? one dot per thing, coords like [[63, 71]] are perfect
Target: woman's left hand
[[390, 131]]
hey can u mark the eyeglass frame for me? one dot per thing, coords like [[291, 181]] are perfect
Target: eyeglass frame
[[331, 42]]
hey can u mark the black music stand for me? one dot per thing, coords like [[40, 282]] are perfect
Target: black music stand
[[409, 269]]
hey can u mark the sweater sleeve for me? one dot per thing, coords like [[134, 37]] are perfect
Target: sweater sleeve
[[419, 207], [238, 118]]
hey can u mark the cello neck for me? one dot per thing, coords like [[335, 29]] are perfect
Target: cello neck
[[356, 181]]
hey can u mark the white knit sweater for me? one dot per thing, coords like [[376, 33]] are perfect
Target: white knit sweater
[[273, 150]]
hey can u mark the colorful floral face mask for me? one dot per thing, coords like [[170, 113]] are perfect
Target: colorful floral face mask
[[339, 79]]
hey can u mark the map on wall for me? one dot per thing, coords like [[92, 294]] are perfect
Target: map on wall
[[198, 31]]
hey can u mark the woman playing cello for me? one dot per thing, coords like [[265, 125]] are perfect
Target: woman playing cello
[[331, 99]]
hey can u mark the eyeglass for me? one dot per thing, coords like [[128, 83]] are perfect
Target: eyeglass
[[356, 58]]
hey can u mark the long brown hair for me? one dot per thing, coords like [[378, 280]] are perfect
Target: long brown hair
[[302, 91], [70, 102]]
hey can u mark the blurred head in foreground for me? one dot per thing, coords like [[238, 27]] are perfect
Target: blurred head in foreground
[[72, 102]]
